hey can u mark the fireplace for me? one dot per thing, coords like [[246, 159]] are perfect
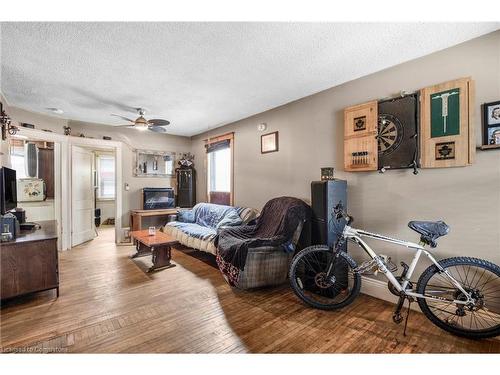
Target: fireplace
[[157, 198]]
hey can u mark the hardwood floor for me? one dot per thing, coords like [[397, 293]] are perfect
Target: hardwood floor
[[108, 304]]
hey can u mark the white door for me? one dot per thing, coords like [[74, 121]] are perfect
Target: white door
[[82, 196]]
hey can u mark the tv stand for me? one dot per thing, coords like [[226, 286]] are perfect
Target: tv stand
[[137, 215], [29, 263]]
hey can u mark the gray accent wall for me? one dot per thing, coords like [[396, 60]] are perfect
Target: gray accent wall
[[311, 137]]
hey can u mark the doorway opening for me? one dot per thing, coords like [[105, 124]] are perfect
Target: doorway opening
[[93, 194]]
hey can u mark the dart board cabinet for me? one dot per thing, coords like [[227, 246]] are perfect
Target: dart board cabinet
[[397, 140], [360, 142], [446, 127]]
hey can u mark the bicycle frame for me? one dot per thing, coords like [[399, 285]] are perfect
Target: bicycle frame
[[355, 236]]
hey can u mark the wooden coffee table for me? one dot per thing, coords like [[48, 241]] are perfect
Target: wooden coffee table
[[158, 246]]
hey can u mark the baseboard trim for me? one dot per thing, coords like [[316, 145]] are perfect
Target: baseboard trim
[[378, 289]]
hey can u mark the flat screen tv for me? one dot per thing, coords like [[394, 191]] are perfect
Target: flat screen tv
[[8, 190]]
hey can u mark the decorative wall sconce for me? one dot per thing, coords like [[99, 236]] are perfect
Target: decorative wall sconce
[[5, 121]]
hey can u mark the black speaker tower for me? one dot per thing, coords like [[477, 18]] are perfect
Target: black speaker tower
[[325, 195]]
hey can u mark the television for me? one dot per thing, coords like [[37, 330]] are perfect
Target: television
[[8, 190]]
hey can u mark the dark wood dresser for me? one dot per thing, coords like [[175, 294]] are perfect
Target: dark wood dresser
[[30, 262]]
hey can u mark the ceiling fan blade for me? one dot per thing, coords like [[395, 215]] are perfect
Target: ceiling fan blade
[[127, 126], [123, 118], [157, 129], [158, 122]]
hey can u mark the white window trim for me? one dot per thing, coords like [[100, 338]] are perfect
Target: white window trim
[[98, 155]]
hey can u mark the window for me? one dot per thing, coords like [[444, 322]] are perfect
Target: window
[[17, 158], [219, 169], [105, 176]]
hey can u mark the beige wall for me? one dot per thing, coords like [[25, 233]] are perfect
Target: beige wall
[[131, 138], [311, 137], [311, 132]]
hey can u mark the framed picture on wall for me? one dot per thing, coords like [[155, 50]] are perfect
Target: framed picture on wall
[[269, 143], [491, 123]]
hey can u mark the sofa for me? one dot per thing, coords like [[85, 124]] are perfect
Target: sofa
[[197, 227], [266, 265], [259, 254]]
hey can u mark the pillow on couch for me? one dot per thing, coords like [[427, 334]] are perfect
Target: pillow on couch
[[231, 218], [185, 216]]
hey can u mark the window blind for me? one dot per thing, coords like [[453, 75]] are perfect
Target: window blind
[[216, 146]]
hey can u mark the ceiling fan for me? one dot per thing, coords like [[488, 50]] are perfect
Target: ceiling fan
[[140, 123]]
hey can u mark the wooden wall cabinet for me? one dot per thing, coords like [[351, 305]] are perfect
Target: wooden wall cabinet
[[446, 124], [360, 137]]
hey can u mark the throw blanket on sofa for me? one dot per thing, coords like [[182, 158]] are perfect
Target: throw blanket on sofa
[[275, 227]]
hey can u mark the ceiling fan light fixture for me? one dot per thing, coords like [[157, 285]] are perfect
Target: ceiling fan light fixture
[[141, 127]]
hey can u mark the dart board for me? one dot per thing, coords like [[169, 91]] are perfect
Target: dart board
[[390, 133], [397, 132]]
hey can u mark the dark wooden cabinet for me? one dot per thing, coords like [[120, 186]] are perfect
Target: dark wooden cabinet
[[186, 187], [30, 262], [46, 169]]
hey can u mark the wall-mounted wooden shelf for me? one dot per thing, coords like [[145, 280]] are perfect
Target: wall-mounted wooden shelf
[[488, 147]]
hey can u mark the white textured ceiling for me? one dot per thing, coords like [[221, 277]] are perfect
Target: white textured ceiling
[[200, 75]]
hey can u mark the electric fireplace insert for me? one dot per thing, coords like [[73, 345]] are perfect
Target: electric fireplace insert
[[157, 198]]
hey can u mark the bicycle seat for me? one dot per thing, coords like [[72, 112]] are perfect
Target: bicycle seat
[[430, 230]]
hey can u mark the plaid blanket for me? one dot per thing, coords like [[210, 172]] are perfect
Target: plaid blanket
[[275, 227]]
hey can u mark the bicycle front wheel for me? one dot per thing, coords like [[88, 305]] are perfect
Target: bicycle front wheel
[[479, 278], [313, 284]]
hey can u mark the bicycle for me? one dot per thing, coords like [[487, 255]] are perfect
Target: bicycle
[[460, 295]]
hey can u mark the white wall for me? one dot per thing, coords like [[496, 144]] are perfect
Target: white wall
[[107, 209], [39, 211], [131, 138]]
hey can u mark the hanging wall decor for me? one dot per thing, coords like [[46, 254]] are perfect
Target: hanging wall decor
[[446, 129], [360, 142], [398, 133], [269, 143], [491, 123]]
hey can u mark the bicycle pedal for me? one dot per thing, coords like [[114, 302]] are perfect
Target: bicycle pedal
[[397, 318]]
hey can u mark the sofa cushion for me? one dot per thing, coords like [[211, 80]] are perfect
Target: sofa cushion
[[194, 230], [247, 214], [186, 216], [209, 215], [231, 218]]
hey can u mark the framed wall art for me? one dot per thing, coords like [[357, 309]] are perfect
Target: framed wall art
[[446, 128], [491, 123], [269, 143]]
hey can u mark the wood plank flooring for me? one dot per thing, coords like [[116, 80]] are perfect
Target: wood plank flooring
[[108, 304]]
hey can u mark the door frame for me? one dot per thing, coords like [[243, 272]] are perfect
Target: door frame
[[62, 157], [116, 148]]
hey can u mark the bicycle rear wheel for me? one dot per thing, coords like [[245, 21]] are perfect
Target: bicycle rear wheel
[[479, 278], [309, 281]]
